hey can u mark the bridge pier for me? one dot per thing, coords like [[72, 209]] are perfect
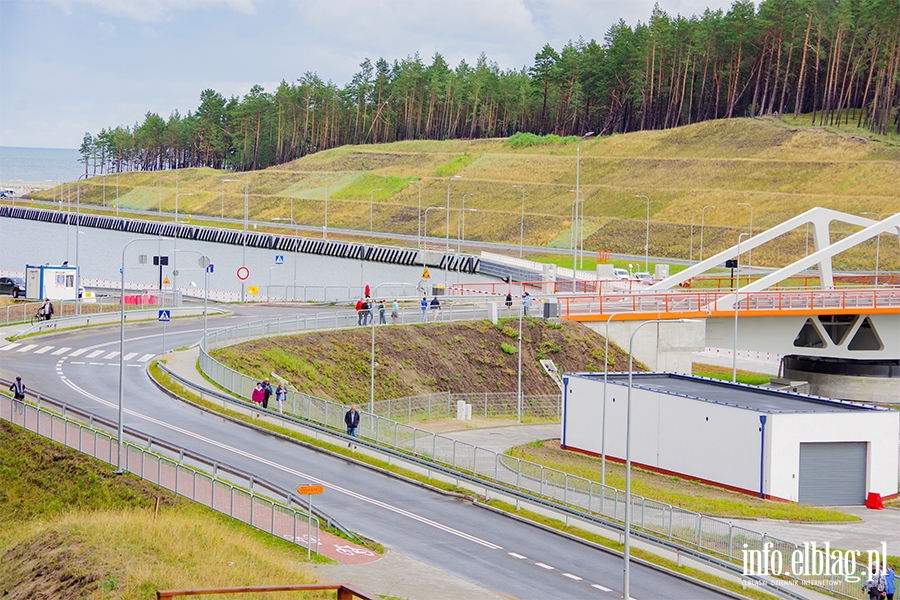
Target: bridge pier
[[668, 347]]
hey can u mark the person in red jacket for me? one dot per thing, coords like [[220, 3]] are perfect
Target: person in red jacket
[[359, 312]]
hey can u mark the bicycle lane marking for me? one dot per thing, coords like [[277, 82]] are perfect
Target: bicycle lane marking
[[299, 474]]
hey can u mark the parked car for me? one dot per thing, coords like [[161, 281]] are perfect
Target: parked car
[[13, 286], [621, 274], [643, 277]]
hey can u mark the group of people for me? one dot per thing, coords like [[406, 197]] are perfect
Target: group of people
[[263, 391], [526, 303], [434, 305], [365, 309], [880, 584]]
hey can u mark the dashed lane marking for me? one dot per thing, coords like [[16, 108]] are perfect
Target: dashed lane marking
[[129, 356], [543, 566], [78, 352], [62, 350], [134, 365], [95, 354], [97, 364], [76, 362], [44, 349], [570, 576], [600, 587], [519, 556], [27, 348], [9, 347]]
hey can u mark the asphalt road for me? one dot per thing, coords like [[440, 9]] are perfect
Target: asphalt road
[[480, 546]]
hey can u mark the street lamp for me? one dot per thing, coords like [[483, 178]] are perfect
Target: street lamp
[[419, 216], [462, 216], [519, 399], [447, 227], [736, 287], [522, 222], [244, 240], [647, 237], [627, 550], [603, 416], [574, 214], [702, 224], [122, 347], [296, 235], [372, 353], [325, 226], [177, 196], [750, 254], [371, 196], [578, 183]]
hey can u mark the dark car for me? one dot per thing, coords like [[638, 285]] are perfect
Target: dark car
[[13, 286]]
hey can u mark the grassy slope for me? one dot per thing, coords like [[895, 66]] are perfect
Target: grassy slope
[[71, 528], [781, 168]]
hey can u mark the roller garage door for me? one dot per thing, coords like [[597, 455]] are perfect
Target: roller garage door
[[833, 473]]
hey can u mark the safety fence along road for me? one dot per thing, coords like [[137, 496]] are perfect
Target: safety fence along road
[[713, 536]]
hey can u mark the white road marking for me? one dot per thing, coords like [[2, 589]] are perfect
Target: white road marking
[[299, 474], [27, 348], [63, 350], [134, 365], [94, 354], [543, 566], [44, 349], [97, 364], [111, 355], [519, 556], [9, 347], [600, 587], [570, 576], [146, 357], [129, 356], [78, 352], [76, 362]]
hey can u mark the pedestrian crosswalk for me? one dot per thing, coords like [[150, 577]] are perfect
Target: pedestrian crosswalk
[[67, 352]]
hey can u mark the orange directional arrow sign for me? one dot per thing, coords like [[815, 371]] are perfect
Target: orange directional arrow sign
[[305, 490]]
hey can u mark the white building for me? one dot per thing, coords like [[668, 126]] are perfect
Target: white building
[[48, 281], [782, 445]]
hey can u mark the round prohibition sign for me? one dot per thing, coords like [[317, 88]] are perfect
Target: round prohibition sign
[[243, 273]]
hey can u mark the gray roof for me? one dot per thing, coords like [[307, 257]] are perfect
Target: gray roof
[[729, 394]]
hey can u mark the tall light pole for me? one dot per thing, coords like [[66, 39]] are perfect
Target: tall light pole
[[578, 184], [447, 228], [693, 214], [627, 550], [574, 214], [244, 240], [296, 235], [736, 297], [702, 224], [519, 399], [603, 415], [77, 232], [223, 199], [122, 348], [750, 254], [647, 237], [203, 262], [68, 215], [522, 221], [419, 217], [371, 196]]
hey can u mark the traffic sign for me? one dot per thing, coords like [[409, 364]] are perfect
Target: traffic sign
[[252, 290], [243, 273], [426, 274], [166, 281], [279, 259], [210, 268], [164, 316], [307, 490]]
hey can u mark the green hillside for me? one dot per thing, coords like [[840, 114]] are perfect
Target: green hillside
[[779, 167]]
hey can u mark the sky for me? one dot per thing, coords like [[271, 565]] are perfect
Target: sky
[[73, 66]]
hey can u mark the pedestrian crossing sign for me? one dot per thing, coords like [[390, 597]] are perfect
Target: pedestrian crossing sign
[[279, 259], [426, 274], [164, 316]]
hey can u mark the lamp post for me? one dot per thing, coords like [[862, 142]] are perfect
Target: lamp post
[[522, 221], [736, 298], [296, 235], [574, 214], [223, 199], [702, 225], [77, 231], [519, 399], [122, 348], [750, 253], [627, 550], [68, 214], [462, 216], [177, 196], [603, 415], [693, 214], [371, 197], [647, 237], [578, 185], [419, 216], [244, 240], [447, 228]]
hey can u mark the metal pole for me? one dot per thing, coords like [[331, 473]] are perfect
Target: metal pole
[[521, 221], [77, 236], [447, 229], [647, 237], [736, 298], [693, 214], [750, 254], [603, 416], [702, 225], [519, 394], [419, 217]]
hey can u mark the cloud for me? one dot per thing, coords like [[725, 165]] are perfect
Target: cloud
[[153, 10]]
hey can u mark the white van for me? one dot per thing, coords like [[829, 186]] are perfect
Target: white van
[[621, 274]]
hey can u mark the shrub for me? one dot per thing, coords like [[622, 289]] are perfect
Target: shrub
[[508, 348]]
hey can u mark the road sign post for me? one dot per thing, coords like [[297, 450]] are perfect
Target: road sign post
[[309, 491], [164, 317]]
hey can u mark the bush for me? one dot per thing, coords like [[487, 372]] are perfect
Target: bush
[[508, 348]]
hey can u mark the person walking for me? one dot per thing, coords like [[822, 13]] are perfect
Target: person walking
[[890, 585], [381, 320], [351, 419], [47, 309], [267, 392], [257, 395], [424, 305], [18, 389], [367, 311], [526, 302], [359, 312], [876, 584], [508, 303], [435, 307], [395, 311], [280, 396]]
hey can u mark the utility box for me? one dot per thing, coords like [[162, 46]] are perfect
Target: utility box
[[660, 271], [438, 290], [551, 308], [53, 282]]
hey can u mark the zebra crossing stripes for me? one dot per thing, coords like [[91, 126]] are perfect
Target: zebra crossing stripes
[[129, 356], [95, 354], [27, 348], [78, 352], [9, 347], [64, 352], [44, 349]]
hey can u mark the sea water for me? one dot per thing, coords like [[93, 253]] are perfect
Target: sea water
[[43, 166]]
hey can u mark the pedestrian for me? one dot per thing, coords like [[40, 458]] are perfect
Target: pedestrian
[[526, 302], [257, 396], [876, 584], [890, 585], [280, 396], [367, 311], [424, 305], [352, 421], [18, 389], [395, 311], [508, 303], [47, 309], [381, 320], [267, 392], [435, 307], [359, 312]]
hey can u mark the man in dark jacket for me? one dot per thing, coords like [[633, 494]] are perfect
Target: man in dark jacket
[[267, 392], [352, 421]]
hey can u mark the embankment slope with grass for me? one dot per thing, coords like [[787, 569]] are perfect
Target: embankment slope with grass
[[781, 167]]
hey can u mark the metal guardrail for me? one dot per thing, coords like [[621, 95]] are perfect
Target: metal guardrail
[[111, 317], [241, 502], [660, 520], [442, 405]]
